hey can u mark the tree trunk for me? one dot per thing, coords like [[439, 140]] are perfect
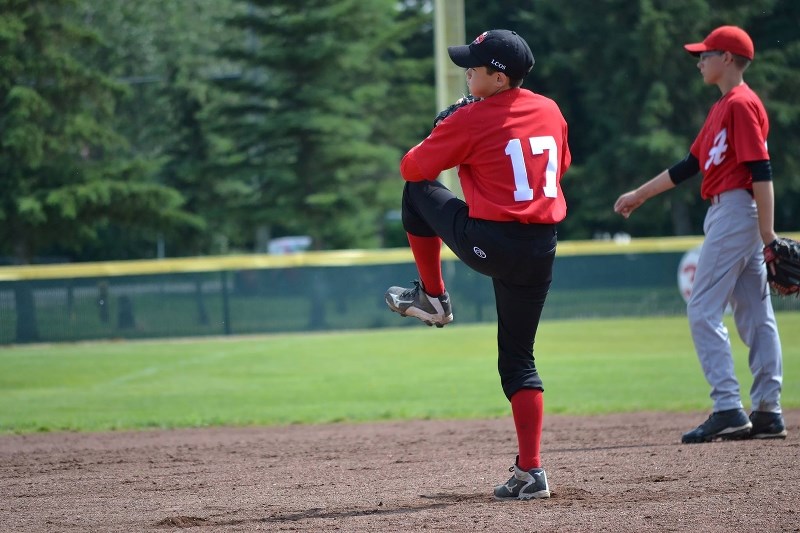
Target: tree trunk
[[27, 328]]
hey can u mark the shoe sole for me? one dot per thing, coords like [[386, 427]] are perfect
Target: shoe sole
[[737, 434], [541, 495], [421, 315], [765, 436]]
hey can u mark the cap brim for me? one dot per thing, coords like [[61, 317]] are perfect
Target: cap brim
[[696, 48], [463, 56]]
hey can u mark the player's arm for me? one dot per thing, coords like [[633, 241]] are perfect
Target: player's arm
[[668, 179], [409, 168], [446, 147], [764, 195], [631, 200]]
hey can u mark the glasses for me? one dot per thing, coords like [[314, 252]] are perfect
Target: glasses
[[706, 55]]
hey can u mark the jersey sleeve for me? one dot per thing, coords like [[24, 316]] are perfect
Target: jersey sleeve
[[409, 168], [566, 155], [694, 149], [447, 146], [748, 138]]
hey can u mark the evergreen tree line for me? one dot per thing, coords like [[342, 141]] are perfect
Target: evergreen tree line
[[134, 129]]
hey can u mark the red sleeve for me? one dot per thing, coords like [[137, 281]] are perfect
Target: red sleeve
[[446, 147], [409, 168], [749, 132]]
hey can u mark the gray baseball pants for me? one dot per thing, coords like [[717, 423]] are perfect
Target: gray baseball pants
[[731, 270]]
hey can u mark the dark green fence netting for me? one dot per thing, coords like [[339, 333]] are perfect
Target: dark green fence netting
[[315, 299]]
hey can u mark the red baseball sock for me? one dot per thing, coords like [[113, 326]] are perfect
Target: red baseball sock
[[527, 405], [427, 254]]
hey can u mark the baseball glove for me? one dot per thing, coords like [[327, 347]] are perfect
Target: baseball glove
[[449, 110], [783, 266]]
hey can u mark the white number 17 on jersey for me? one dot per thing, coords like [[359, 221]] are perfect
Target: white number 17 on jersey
[[539, 145]]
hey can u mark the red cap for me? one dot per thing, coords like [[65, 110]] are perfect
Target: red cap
[[725, 39]]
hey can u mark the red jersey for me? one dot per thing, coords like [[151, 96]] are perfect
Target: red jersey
[[735, 132], [511, 151]]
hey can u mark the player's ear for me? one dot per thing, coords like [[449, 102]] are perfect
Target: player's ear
[[506, 80]]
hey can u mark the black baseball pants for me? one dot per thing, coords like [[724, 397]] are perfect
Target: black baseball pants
[[518, 257]]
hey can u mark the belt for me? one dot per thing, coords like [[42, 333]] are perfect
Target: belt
[[715, 198]]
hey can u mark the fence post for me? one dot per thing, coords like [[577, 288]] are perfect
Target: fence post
[[24, 303], [226, 311]]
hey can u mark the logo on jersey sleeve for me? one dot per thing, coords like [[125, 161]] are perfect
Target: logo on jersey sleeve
[[716, 154]]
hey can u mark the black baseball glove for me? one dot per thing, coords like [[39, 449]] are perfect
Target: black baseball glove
[[449, 110], [783, 266]]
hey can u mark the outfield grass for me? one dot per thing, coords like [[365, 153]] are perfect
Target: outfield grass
[[588, 366]]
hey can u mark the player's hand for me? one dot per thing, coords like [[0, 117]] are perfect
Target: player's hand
[[627, 203], [449, 110]]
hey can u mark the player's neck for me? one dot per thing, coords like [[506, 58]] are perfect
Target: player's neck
[[728, 83], [500, 90]]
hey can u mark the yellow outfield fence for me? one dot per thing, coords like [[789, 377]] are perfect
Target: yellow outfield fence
[[312, 259], [326, 290]]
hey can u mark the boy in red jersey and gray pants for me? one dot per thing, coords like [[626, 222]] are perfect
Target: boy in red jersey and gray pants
[[731, 152], [510, 147]]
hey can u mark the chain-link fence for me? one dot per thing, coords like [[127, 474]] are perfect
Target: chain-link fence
[[312, 297]]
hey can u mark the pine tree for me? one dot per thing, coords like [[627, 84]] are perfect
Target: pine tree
[[305, 124], [66, 172]]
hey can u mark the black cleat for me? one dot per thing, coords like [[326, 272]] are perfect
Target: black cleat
[[767, 425], [730, 424]]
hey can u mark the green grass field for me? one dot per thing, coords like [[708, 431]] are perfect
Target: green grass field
[[588, 367]]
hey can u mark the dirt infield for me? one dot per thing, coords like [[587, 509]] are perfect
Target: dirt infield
[[608, 473]]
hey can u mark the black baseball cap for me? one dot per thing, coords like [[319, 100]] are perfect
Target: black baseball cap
[[502, 50]]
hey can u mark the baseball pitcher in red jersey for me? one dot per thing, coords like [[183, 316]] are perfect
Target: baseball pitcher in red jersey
[[731, 153], [510, 147]]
